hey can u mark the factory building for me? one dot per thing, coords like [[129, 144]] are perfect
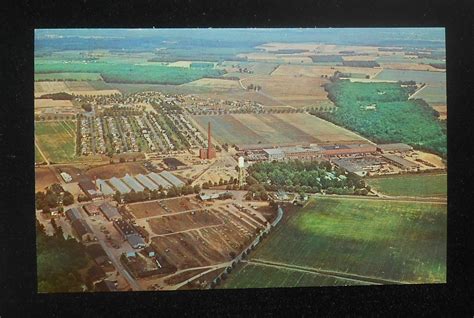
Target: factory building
[[91, 209], [401, 163], [110, 212], [119, 185], [274, 154], [210, 152], [146, 182], [336, 150], [82, 230], [104, 187], [73, 214], [128, 233], [88, 187], [132, 183], [159, 180], [171, 178], [397, 147]]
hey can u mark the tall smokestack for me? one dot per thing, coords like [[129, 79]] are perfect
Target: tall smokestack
[[209, 143]]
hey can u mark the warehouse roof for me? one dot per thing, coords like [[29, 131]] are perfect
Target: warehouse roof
[[399, 160], [395, 147], [136, 241], [132, 183], [159, 180], [273, 151], [109, 211], [119, 185], [146, 182], [173, 162], [172, 178], [73, 214], [81, 227], [104, 187]]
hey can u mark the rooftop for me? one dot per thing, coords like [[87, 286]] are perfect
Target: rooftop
[[159, 180], [273, 151], [146, 182], [132, 183], [109, 210], [172, 178]]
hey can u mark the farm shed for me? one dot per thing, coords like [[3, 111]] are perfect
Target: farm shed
[[110, 212], [274, 153], [174, 163], [146, 182], [159, 180], [119, 185], [132, 183], [171, 178]]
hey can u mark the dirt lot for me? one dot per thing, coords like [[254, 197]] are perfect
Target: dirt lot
[[150, 209], [411, 67], [44, 177], [116, 170], [44, 103], [206, 246], [78, 88], [318, 70], [293, 90], [442, 110], [183, 222]]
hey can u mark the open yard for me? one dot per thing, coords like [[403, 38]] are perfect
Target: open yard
[[56, 139], [275, 129], [183, 222], [411, 185], [322, 70], [398, 241], [44, 177], [116, 170]]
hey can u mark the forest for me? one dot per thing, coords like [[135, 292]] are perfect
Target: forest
[[391, 117]]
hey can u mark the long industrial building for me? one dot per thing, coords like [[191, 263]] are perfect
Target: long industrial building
[[119, 185], [132, 183], [159, 180], [146, 182], [171, 178], [104, 187]]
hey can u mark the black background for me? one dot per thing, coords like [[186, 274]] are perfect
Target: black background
[[18, 297]]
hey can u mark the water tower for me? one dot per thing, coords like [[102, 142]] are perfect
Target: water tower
[[241, 170]]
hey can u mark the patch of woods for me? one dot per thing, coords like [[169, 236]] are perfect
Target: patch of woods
[[147, 195], [326, 58], [441, 66], [302, 177], [52, 198], [396, 119], [57, 96], [59, 261], [360, 63]]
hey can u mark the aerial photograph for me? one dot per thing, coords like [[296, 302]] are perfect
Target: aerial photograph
[[203, 158]]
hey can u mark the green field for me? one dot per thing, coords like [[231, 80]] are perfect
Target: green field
[[56, 139], [411, 185], [438, 78], [399, 241], [120, 71], [396, 119], [68, 77], [250, 274]]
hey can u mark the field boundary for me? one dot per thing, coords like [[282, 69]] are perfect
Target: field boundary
[[335, 274]]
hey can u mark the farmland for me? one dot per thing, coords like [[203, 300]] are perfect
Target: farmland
[[411, 185], [67, 77], [396, 119], [400, 241], [44, 177], [56, 139], [274, 128], [127, 73], [250, 276]]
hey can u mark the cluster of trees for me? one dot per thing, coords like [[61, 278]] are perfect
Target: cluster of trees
[[52, 197], [58, 96], [304, 176], [326, 58], [254, 87], [156, 194], [58, 262], [397, 119], [361, 63], [229, 182]]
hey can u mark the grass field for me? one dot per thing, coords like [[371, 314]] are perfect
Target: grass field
[[401, 241], [274, 128], [250, 276], [68, 77], [411, 185], [438, 78], [56, 139]]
